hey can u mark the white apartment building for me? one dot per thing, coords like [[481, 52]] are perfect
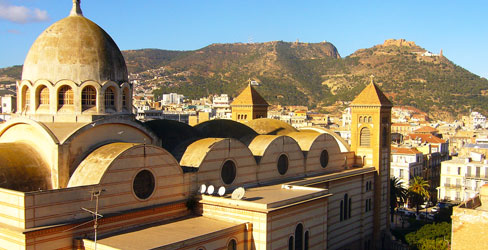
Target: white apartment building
[[461, 178], [221, 105], [172, 98], [405, 164]]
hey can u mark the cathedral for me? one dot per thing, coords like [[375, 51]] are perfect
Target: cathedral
[[79, 172]]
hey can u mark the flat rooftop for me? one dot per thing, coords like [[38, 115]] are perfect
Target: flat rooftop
[[166, 234], [268, 197]]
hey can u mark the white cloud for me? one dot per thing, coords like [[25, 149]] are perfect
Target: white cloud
[[21, 14]]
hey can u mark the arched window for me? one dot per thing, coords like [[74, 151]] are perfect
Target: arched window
[[110, 99], [290, 243], [232, 245], [360, 119], [346, 207], [349, 207], [299, 237], [43, 95], [341, 209], [365, 137], [306, 240], [126, 99], [88, 97], [25, 98], [65, 96], [370, 120]]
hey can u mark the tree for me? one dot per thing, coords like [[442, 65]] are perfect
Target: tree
[[418, 191], [430, 236], [398, 194]]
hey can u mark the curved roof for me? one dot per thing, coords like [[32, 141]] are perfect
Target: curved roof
[[222, 128], [266, 126], [304, 139], [173, 133], [343, 145], [260, 143], [22, 168], [75, 49], [93, 167], [195, 153]]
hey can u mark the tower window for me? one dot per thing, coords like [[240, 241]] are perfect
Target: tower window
[[88, 97], [365, 137], [110, 98], [126, 99], [283, 164], [43, 95], [232, 245], [65, 96], [25, 98]]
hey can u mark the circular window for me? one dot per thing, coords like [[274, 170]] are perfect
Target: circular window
[[143, 184], [324, 158], [228, 172], [283, 164]]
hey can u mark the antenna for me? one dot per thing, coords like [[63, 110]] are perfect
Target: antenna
[[95, 214], [239, 193], [210, 189], [203, 188], [221, 191]]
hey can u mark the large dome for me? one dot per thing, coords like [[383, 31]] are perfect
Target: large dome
[[75, 49]]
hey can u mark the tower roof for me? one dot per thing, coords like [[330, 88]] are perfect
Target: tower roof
[[76, 49], [249, 96], [372, 95]]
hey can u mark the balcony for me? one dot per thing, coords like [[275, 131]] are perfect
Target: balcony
[[477, 177], [453, 186]]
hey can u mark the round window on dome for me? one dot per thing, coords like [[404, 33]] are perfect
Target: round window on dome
[[283, 164], [324, 158], [228, 172], [144, 184]]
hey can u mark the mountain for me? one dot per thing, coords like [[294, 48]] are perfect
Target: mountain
[[312, 74]]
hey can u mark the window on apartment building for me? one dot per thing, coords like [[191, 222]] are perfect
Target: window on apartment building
[[478, 172], [282, 164], [365, 137], [459, 171], [486, 172]]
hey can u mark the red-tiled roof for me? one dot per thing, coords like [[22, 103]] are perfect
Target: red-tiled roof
[[426, 129], [426, 138], [406, 151]]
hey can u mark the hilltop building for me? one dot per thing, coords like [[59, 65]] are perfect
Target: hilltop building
[[75, 151]]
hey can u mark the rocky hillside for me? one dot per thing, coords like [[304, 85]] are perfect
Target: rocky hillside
[[312, 74]]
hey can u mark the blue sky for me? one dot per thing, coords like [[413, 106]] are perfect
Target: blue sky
[[459, 28]]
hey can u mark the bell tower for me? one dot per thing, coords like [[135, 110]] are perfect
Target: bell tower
[[249, 105], [371, 140]]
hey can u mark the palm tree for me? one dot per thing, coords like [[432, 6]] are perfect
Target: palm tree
[[398, 194], [418, 191]]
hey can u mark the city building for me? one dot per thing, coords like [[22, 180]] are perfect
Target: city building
[[79, 172], [461, 178], [406, 163], [172, 98], [470, 223]]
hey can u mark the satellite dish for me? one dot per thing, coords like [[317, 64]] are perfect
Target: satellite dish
[[210, 189], [238, 193], [221, 191], [203, 188]]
